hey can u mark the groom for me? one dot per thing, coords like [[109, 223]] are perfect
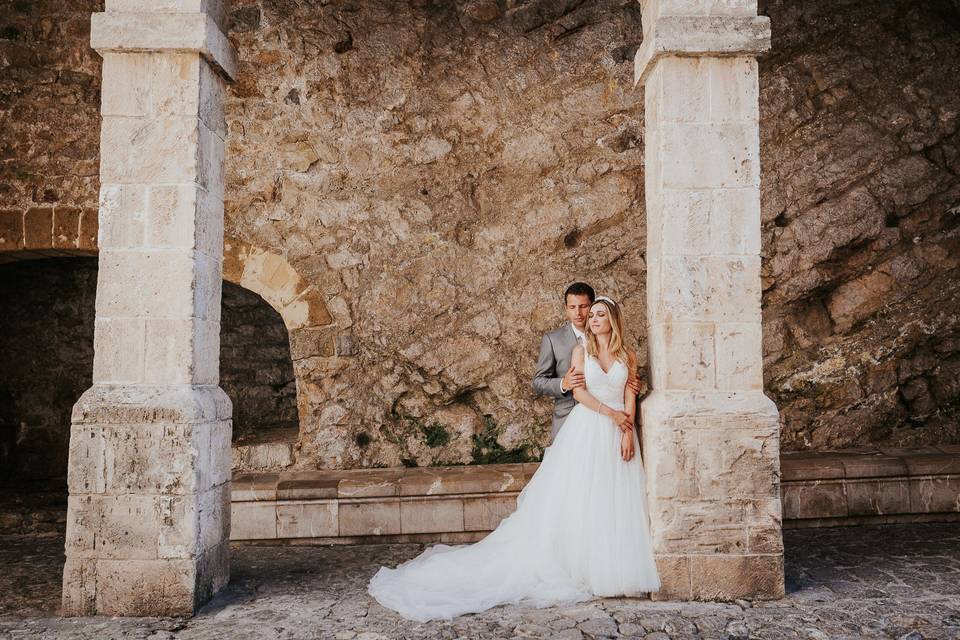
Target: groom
[[554, 376]]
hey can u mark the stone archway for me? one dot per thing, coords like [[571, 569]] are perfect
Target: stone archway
[[311, 329]]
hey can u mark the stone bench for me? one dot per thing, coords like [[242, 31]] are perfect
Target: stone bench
[[870, 486], [462, 504]]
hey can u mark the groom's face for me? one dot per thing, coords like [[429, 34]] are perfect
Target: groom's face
[[578, 308]]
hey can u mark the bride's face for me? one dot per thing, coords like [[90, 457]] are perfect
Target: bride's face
[[599, 320]]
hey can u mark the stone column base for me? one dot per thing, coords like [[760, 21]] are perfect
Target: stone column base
[[148, 517], [712, 461]]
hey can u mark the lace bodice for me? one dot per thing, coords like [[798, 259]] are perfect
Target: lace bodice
[[607, 387]]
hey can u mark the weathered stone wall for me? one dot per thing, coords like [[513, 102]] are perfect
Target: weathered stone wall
[[46, 338], [441, 170], [860, 139]]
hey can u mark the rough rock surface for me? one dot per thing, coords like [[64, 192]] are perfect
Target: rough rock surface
[[890, 582], [860, 139], [442, 169]]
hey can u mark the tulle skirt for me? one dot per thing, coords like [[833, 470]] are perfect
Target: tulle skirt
[[580, 530]]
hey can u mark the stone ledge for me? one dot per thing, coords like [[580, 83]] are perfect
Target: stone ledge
[[116, 31], [701, 36], [459, 504]]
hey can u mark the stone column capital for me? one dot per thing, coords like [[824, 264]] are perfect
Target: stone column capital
[[700, 35], [136, 32]]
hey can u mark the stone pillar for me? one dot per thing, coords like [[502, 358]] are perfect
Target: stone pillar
[[148, 518], [710, 435]]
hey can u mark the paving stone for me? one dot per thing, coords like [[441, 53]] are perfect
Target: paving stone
[[890, 582]]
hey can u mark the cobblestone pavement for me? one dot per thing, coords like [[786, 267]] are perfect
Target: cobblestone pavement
[[893, 581]]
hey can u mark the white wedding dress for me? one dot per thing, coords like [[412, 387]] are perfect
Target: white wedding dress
[[580, 529]]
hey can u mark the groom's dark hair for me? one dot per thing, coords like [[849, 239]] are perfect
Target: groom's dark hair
[[579, 289]]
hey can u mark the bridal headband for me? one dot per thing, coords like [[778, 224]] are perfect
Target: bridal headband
[[610, 300]]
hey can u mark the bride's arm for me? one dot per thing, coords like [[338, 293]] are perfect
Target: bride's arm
[[581, 395], [629, 396]]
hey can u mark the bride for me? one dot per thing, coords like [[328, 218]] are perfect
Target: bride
[[581, 527]]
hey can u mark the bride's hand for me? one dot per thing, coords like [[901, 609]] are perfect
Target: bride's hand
[[624, 422], [626, 446]]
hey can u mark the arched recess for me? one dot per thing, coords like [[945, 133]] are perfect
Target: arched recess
[[312, 331]]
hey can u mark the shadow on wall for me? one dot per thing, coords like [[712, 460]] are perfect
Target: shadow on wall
[[46, 341]]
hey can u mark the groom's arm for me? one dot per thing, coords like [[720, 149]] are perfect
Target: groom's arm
[[545, 380]]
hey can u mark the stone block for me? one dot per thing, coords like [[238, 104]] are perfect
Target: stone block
[[89, 229], [371, 483], [315, 519], [815, 499], [370, 517], [212, 100], [83, 524], [118, 350], [79, 587], [485, 513], [214, 516], [122, 216], [795, 468], [38, 228], [740, 34], [253, 521], [686, 97], [932, 464], [872, 466], [173, 217], [700, 527], [765, 540], [877, 497], [709, 221], [150, 84], [210, 157], [217, 470], [66, 227], [308, 485], [734, 90], [462, 479], [86, 464], [739, 355], [182, 351], [11, 229], [708, 289], [935, 495], [166, 32], [180, 534], [128, 405], [313, 342], [674, 573], [149, 150], [131, 455], [250, 487], [728, 577], [431, 516], [733, 160], [146, 587], [682, 355]]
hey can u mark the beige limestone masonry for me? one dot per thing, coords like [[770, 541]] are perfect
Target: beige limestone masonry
[[710, 434], [148, 520], [846, 487]]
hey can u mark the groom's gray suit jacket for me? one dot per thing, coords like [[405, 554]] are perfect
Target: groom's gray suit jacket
[[553, 362]]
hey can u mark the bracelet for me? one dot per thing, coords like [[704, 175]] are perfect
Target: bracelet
[[600, 408]]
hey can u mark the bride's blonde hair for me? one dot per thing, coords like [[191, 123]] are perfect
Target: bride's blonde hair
[[617, 346]]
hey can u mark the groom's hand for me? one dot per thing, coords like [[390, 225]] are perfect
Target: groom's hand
[[573, 380], [633, 381]]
